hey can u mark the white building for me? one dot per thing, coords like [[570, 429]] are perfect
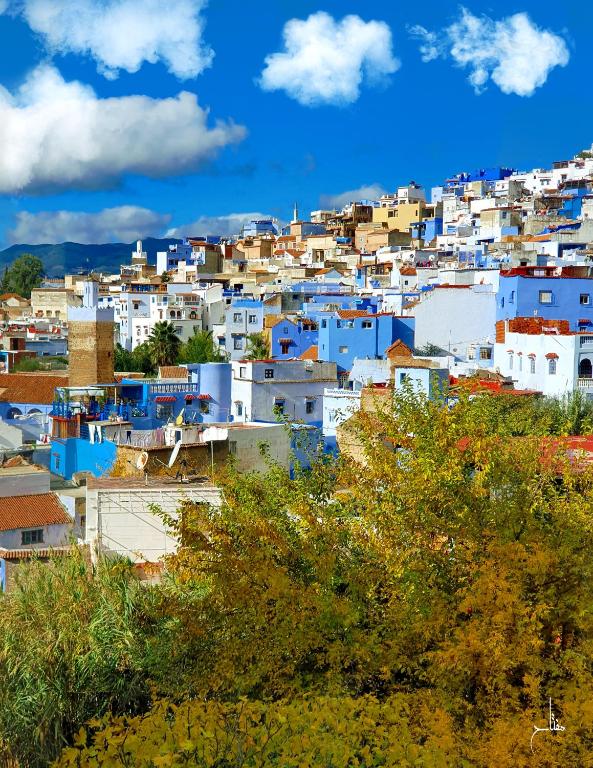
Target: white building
[[120, 516], [263, 390], [456, 318], [549, 361]]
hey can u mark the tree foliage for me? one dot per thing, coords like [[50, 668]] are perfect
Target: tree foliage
[[416, 602], [24, 274], [74, 644], [257, 347], [139, 359], [200, 348], [164, 344]]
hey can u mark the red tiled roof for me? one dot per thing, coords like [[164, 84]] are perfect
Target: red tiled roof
[[165, 399], [172, 372], [30, 387], [31, 511]]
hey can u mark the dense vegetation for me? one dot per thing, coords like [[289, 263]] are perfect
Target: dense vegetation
[[25, 273], [416, 607], [164, 347]]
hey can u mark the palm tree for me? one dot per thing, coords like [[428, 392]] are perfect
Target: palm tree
[[164, 344], [257, 347]]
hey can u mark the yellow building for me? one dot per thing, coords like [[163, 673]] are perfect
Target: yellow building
[[402, 215]]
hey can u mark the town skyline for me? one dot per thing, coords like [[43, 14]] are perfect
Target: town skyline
[[264, 131]]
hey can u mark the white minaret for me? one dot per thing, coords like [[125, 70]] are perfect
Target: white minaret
[[295, 214]]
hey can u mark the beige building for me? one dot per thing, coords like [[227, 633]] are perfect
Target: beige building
[[53, 302]]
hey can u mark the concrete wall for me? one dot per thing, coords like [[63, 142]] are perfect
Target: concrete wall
[[454, 318]]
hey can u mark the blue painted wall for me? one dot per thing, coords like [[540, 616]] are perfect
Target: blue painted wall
[[340, 341], [519, 296], [78, 455]]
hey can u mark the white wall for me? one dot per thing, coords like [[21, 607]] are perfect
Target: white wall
[[453, 318]]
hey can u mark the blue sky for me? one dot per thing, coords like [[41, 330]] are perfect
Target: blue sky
[[113, 168]]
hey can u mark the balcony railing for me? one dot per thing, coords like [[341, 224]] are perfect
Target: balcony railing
[[585, 384]]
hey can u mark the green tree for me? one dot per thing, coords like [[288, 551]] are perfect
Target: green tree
[[164, 344], [257, 347], [200, 348], [139, 359], [24, 274], [165, 277]]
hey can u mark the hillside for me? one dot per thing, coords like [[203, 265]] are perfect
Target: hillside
[[63, 258]]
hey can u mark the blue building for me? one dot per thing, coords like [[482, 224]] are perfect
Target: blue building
[[428, 229], [290, 338], [347, 335], [496, 173], [213, 382], [258, 227], [243, 318], [540, 292]]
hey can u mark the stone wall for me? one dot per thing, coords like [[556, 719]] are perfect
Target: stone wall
[[90, 346]]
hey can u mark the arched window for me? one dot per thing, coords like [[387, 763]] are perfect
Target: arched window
[[511, 361], [585, 369], [552, 366], [532, 364]]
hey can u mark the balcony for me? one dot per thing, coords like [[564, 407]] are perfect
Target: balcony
[[586, 384]]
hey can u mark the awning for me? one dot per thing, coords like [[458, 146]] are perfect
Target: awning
[[165, 399], [285, 341], [551, 356], [204, 397]]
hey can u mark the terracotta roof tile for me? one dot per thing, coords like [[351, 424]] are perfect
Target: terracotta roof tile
[[29, 387], [31, 511], [172, 372]]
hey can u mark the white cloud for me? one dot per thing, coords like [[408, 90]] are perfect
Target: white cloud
[[514, 52], [122, 224], [59, 134], [225, 226], [325, 61], [338, 201], [122, 34]]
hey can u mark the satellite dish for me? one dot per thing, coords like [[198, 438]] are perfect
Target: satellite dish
[[142, 460], [174, 454]]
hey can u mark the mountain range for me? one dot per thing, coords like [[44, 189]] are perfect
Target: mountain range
[[66, 258]]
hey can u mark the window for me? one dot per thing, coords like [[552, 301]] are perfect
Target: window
[[32, 537], [242, 372], [367, 324], [252, 319], [585, 299], [237, 342], [285, 329], [532, 365], [510, 361], [552, 366], [403, 378], [485, 353], [520, 362], [343, 350], [237, 317], [204, 406], [545, 297], [233, 447], [309, 406], [269, 373], [512, 297], [279, 406], [324, 323], [284, 348], [239, 408], [164, 411]]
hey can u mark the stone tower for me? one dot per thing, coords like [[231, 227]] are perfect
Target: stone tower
[[90, 341]]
